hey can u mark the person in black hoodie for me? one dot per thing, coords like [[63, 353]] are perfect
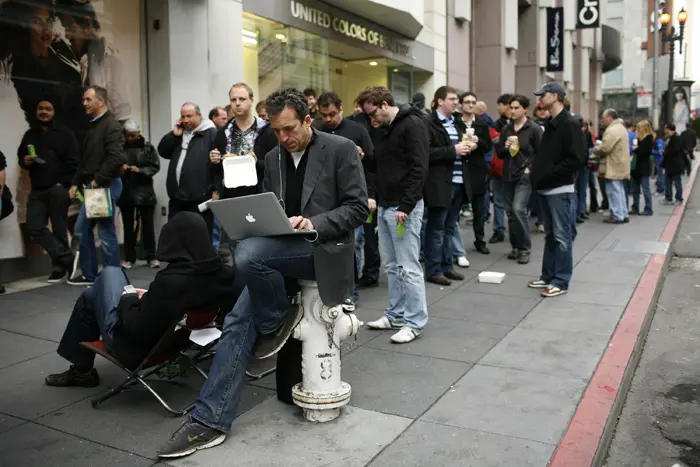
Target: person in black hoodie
[[402, 170], [674, 165], [517, 163], [138, 200], [129, 324], [51, 168], [641, 172]]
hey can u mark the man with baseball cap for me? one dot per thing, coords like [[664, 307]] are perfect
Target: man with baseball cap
[[559, 157]]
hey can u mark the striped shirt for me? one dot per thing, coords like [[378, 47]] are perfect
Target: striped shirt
[[451, 129]]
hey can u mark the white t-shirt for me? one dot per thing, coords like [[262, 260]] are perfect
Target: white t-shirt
[[296, 157]]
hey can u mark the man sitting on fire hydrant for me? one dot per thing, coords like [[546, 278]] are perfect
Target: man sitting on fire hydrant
[[319, 180]]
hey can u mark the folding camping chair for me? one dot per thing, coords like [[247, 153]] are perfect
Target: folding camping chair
[[171, 347]]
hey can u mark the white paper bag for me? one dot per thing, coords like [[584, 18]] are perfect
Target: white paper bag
[[239, 171], [98, 203]]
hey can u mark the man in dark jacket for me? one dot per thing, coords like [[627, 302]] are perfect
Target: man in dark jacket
[[3, 172], [330, 111], [189, 180], [100, 166], [518, 148], [130, 324], [402, 169], [51, 163], [138, 200], [444, 189], [559, 156], [318, 179], [673, 165]]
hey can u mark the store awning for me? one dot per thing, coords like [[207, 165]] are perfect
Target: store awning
[[611, 47]]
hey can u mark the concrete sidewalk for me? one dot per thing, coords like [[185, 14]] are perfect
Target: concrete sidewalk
[[493, 381]]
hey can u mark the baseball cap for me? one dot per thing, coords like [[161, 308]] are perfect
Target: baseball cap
[[554, 88], [131, 126]]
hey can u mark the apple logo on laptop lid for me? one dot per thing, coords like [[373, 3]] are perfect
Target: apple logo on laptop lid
[[250, 218]]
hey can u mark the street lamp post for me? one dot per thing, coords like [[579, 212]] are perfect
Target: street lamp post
[[671, 37], [634, 103]]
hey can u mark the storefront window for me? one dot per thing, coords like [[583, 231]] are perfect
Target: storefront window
[[277, 56]]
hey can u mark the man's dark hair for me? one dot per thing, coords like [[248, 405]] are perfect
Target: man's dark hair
[[100, 92], [671, 126], [287, 97], [520, 99], [259, 105], [441, 93], [375, 95], [329, 98], [465, 94], [567, 104], [214, 111], [504, 99], [309, 92]]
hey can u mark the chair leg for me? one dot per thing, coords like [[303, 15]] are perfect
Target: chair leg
[[129, 381], [177, 413], [262, 374]]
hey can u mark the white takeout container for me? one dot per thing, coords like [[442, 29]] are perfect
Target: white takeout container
[[239, 171], [488, 277]]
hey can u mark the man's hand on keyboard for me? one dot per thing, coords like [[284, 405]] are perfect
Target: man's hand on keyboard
[[301, 223]]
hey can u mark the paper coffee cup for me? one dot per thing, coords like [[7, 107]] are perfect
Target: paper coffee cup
[[470, 132]]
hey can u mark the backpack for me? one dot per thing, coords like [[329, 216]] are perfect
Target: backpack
[[7, 206]]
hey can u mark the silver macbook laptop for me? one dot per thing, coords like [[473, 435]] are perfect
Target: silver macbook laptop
[[259, 215]]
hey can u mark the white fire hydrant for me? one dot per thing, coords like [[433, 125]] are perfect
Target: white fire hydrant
[[321, 393]]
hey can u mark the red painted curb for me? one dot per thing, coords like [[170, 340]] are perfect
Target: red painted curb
[[580, 443]]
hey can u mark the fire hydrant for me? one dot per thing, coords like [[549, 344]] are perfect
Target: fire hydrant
[[321, 394]]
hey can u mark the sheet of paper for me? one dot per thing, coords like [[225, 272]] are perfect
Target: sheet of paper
[[203, 337]]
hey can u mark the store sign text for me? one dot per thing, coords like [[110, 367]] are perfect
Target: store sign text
[[343, 26]]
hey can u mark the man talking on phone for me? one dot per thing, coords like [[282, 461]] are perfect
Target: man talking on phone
[[189, 181]]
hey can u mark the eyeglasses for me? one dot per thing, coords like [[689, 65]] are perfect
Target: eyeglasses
[[372, 113], [469, 102]]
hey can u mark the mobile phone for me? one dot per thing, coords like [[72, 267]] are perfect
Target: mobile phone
[[129, 289]]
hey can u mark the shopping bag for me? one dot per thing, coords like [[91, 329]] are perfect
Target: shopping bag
[[98, 203]]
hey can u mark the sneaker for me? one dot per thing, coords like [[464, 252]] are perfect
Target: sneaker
[[538, 284], [191, 437], [154, 264], [497, 237], [539, 228], [405, 335], [580, 220], [677, 203], [127, 264], [467, 215], [383, 323], [349, 304], [80, 280], [75, 270], [514, 254], [73, 377], [463, 262], [365, 282], [666, 202], [524, 257], [56, 277], [268, 345], [552, 291]]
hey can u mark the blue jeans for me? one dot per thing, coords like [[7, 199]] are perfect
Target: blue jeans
[[456, 241], [435, 242], [453, 234], [671, 181], [407, 303], [106, 232], [616, 199], [264, 264], [660, 178], [581, 191], [558, 260], [94, 315], [499, 220], [216, 234], [641, 185], [517, 195]]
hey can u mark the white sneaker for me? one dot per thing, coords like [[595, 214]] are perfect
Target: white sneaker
[[127, 264], [405, 335], [383, 323], [462, 262]]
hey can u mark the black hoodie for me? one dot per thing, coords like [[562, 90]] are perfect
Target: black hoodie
[[194, 278], [402, 160], [59, 149], [529, 137]]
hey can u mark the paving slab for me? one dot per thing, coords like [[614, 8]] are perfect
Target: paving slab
[[16, 348], [597, 293], [557, 315], [274, 434], [134, 421], [48, 326], [378, 298], [24, 304], [483, 308], [516, 403], [449, 339], [429, 444], [32, 445], [573, 354], [7, 422], [396, 383], [611, 267], [514, 285]]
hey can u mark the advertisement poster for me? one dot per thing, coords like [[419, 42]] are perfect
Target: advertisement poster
[[51, 50], [555, 39]]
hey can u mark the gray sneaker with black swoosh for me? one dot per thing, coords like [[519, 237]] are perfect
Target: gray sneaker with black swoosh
[[191, 437]]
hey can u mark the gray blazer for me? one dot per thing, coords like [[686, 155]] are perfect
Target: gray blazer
[[334, 199]]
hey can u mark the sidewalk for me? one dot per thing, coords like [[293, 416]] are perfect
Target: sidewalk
[[494, 380]]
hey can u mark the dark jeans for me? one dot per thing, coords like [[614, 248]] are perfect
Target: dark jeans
[[435, 241], [94, 316], [641, 185], [175, 206], [131, 215], [517, 196], [660, 178], [581, 191], [604, 193], [373, 261], [558, 260], [670, 181], [479, 220], [264, 263], [42, 206], [592, 179]]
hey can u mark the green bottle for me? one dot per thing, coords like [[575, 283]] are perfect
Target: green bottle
[[370, 218], [79, 195], [399, 230], [32, 150]]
